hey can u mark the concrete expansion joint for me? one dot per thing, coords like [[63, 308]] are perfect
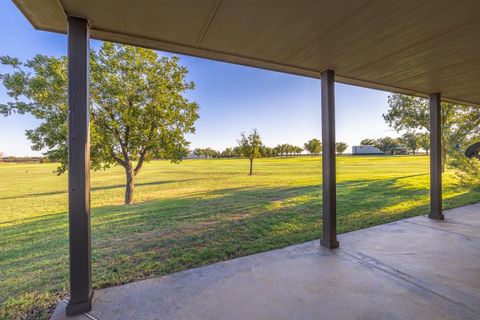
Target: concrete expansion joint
[[468, 237], [88, 315], [371, 262]]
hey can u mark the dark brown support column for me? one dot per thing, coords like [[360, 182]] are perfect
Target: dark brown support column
[[329, 238], [435, 157], [79, 167]]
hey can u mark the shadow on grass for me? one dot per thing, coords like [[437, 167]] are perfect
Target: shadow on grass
[[110, 187], [168, 235]]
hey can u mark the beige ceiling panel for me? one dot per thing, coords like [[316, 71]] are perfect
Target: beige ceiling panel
[[44, 14], [381, 33], [435, 54], [179, 21], [407, 46]]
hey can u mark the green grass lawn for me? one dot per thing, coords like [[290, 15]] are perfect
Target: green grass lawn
[[191, 214]]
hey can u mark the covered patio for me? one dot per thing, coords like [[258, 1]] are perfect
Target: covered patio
[[428, 48], [416, 268]]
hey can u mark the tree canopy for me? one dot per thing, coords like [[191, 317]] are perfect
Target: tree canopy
[[138, 108], [368, 142], [313, 146], [411, 140], [340, 147]]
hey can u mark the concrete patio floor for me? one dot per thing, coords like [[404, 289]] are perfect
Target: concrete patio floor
[[411, 269]]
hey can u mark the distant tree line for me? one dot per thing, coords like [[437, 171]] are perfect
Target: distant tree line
[[250, 146], [14, 159], [412, 142], [313, 147]]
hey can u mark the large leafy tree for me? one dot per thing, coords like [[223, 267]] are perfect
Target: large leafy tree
[[313, 146], [250, 146], [412, 113], [138, 108]]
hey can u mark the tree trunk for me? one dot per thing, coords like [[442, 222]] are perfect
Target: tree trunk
[[251, 166], [130, 186]]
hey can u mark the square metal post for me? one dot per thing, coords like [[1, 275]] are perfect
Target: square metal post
[[329, 237], [435, 157], [79, 167]]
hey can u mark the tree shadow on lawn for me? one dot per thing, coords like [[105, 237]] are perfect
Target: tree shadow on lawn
[[168, 235], [110, 187]]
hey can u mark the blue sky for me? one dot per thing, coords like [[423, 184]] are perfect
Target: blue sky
[[233, 99]]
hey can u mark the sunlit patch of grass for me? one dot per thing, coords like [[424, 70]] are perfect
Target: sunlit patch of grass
[[192, 214]]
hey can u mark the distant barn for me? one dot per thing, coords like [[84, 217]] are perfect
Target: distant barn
[[364, 150], [397, 150]]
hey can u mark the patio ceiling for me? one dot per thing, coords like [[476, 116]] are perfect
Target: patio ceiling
[[408, 46]]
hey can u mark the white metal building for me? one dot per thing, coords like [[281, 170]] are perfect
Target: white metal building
[[365, 150]]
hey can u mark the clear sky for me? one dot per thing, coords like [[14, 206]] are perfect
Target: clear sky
[[233, 99]]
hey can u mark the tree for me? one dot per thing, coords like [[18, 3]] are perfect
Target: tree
[[207, 153], [340, 147], [249, 146], [266, 151], [215, 153], [286, 148], [237, 152], [297, 150], [227, 153], [411, 141], [424, 141], [412, 113], [281, 149], [210, 153], [291, 149], [138, 109], [386, 144], [198, 152], [468, 169], [275, 151], [368, 142], [313, 146]]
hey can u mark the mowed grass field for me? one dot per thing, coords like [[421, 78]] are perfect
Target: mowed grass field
[[191, 214]]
